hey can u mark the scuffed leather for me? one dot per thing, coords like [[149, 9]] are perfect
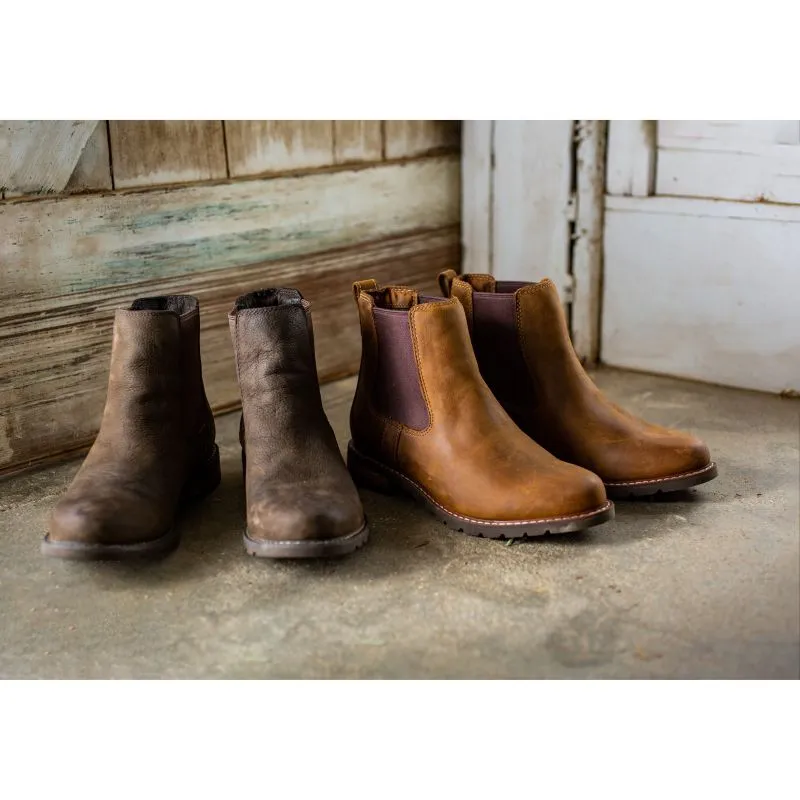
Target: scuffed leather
[[566, 413], [156, 430], [472, 459], [297, 485]]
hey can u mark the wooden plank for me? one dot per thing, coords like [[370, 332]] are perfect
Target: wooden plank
[[64, 266], [759, 131], [531, 201], [631, 157], [730, 170], [682, 206], [416, 137], [161, 152], [50, 406], [357, 140], [38, 156], [476, 195], [92, 173], [701, 295], [55, 248], [258, 147], [587, 249]]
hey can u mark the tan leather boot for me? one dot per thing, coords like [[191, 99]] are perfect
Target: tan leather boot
[[301, 501], [522, 344], [155, 450], [424, 423]]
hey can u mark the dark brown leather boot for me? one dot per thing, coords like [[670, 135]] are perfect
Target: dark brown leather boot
[[424, 423], [155, 449], [301, 501], [521, 340]]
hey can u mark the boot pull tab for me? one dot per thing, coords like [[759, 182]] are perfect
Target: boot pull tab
[[369, 285], [446, 279]]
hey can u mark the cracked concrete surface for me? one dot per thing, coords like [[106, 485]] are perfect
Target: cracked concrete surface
[[703, 585]]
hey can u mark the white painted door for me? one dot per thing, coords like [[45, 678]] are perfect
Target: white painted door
[[532, 208], [702, 251]]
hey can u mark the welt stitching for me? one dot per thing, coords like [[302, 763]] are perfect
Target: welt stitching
[[664, 478]]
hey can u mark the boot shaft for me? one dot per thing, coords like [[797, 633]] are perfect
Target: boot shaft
[[273, 343], [521, 339], [155, 362], [418, 369]]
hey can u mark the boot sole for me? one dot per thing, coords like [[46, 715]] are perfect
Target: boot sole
[[199, 486], [622, 490], [313, 548], [371, 474]]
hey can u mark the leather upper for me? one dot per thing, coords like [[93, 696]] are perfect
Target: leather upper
[[471, 458], [548, 393], [156, 429], [297, 485]]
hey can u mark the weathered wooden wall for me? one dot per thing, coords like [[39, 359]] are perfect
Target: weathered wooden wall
[[111, 211]]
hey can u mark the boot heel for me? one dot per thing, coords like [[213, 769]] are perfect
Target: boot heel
[[366, 475], [204, 479]]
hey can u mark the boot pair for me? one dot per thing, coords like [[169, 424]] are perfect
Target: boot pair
[[476, 405], [156, 451]]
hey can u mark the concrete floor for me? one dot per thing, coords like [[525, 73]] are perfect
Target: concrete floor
[[705, 585]]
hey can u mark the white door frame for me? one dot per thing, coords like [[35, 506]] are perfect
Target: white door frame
[[532, 207]]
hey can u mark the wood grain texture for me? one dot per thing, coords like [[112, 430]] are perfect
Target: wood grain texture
[[531, 217], [55, 248], [587, 247], [92, 173], [416, 137], [161, 152], [39, 156], [357, 140], [703, 289], [760, 131], [258, 147], [476, 195], [65, 264], [631, 157], [729, 170], [50, 405]]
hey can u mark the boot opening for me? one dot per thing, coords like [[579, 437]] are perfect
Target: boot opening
[[268, 298], [178, 303]]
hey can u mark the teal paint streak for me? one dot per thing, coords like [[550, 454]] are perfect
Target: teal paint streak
[[195, 215], [174, 259]]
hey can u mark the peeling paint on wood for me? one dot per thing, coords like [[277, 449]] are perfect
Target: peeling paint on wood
[[357, 140], [55, 248], [631, 157], [40, 156], [258, 147], [92, 173], [415, 137], [476, 195], [587, 248], [160, 152]]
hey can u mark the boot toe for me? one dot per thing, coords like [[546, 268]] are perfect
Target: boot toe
[[314, 516], [696, 454], [675, 455], [584, 492], [77, 523], [90, 523]]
